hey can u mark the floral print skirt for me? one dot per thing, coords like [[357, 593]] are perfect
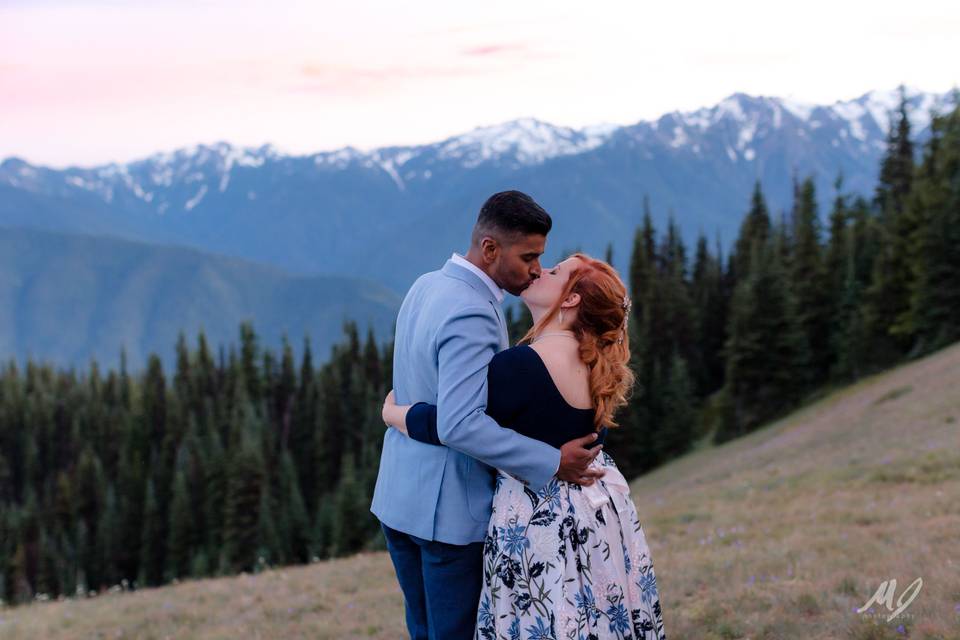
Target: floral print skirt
[[568, 562]]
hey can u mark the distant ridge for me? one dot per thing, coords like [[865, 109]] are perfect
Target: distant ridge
[[68, 298]]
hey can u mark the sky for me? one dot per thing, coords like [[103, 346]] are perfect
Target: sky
[[85, 82]]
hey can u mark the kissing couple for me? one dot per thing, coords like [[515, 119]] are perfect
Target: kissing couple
[[503, 516]]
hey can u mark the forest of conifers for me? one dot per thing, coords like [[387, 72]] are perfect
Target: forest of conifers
[[243, 457]]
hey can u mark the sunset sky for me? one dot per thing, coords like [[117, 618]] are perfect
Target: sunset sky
[[88, 82]]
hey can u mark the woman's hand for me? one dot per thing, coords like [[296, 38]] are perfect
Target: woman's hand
[[394, 415], [388, 402], [390, 399]]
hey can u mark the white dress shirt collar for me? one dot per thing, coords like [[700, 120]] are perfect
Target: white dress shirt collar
[[466, 264]]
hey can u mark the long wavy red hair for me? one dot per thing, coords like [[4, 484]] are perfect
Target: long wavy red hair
[[601, 328]]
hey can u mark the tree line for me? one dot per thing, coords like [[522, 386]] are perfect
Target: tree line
[[232, 463], [721, 346], [247, 458]]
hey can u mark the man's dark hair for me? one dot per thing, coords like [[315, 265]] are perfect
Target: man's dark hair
[[508, 215]]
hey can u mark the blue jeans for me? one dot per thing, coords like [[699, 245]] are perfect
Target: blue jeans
[[440, 583]]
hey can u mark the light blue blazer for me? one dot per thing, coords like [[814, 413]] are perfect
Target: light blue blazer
[[449, 327]]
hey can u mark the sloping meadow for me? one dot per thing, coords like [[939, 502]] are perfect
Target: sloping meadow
[[786, 533]]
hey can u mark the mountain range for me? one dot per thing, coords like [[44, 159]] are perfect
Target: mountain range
[[389, 214], [95, 257]]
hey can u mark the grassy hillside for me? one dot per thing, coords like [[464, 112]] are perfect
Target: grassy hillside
[[781, 534]]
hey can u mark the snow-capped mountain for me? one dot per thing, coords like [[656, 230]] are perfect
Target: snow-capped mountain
[[865, 119], [522, 142], [391, 213], [740, 127]]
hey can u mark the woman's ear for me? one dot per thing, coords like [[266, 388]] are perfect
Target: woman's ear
[[572, 300]]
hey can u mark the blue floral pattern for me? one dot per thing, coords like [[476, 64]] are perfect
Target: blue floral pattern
[[557, 566]]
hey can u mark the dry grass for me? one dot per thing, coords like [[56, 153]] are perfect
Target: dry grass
[[781, 534], [349, 598]]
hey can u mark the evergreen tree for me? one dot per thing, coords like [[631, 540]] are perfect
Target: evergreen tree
[[269, 545], [206, 369], [295, 533], [322, 534], [372, 367], [182, 377], [179, 542], [89, 487], [126, 384], [249, 359], [215, 499], [151, 541], [350, 509], [245, 480], [632, 445], [48, 576], [887, 298], [90, 496], [934, 313], [836, 252], [809, 283], [677, 402], [305, 428], [107, 542], [755, 227], [662, 332], [679, 314], [766, 346], [131, 488], [154, 402], [710, 303], [21, 589], [849, 337], [285, 394], [896, 168], [331, 444], [387, 365]]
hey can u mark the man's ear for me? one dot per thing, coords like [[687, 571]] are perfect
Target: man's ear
[[490, 249]]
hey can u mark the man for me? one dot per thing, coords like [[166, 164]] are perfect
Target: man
[[434, 503]]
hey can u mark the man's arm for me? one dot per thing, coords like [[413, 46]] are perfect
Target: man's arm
[[419, 421], [466, 343]]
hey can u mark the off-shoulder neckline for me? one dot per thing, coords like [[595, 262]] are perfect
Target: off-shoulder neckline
[[553, 383]]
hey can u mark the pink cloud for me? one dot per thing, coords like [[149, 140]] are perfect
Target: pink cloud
[[493, 49], [356, 79]]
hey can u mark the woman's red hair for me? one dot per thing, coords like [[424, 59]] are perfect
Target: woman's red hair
[[601, 329]]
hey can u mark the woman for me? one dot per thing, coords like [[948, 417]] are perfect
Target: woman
[[568, 561]]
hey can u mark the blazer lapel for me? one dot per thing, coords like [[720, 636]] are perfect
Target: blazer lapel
[[504, 337], [456, 271]]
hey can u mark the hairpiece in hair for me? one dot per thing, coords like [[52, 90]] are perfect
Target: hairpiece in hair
[[627, 303]]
